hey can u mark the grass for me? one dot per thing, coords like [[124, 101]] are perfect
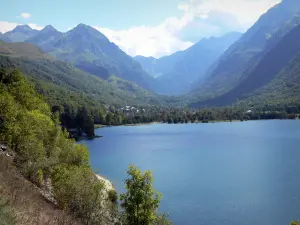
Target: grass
[[7, 214], [21, 198]]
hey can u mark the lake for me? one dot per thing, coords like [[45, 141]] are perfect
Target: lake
[[240, 173]]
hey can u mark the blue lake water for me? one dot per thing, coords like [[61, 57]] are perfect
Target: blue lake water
[[243, 173]]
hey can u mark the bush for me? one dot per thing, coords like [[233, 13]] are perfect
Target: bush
[[113, 196], [79, 191]]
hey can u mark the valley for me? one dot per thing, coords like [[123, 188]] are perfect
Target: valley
[[61, 88]]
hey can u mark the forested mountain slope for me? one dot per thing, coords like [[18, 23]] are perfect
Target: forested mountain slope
[[63, 81], [233, 65], [275, 72]]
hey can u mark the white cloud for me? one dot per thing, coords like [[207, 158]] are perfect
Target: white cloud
[[150, 41], [183, 6], [35, 26], [202, 18], [8, 26], [245, 11], [25, 15]]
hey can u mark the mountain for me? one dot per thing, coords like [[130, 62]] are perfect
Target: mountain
[[178, 72], [45, 38], [275, 76], [233, 64], [60, 81], [194, 63], [284, 89], [3, 38], [21, 49], [20, 33], [148, 64], [161, 66], [89, 50]]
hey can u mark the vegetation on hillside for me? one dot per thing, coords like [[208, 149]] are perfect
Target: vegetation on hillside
[[7, 214], [43, 150], [46, 156], [242, 57], [270, 64]]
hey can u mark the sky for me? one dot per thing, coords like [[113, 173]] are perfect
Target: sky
[[139, 27]]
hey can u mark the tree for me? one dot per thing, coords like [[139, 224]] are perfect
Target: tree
[[109, 118], [85, 122], [140, 202]]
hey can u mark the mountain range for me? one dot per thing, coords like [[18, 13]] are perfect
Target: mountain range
[[87, 49], [216, 71], [177, 73], [238, 64], [60, 80], [272, 66], [19, 34]]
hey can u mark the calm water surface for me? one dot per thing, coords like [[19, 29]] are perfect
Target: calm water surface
[[245, 173]]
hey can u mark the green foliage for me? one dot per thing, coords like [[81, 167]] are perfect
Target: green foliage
[[162, 220], [43, 149], [7, 215], [113, 196], [40, 177], [77, 189], [62, 83], [295, 223], [141, 201]]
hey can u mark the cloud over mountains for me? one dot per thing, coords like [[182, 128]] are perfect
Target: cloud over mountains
[[198, 19]]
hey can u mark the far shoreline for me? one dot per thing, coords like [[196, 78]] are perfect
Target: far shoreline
[[99, 126]]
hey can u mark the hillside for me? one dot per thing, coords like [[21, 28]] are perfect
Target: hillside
[[61, 79], [284, 89], [23, 50], [232, 66], [44, 159], [25, 200], [277, 70]]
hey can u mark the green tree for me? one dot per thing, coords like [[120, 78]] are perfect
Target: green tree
[[109, 118], [141, 201]]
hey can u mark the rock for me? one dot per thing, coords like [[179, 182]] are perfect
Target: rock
[[3, 148], [107, 183]]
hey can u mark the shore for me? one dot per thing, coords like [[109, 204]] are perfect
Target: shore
[[107, 183], [97, 126]]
